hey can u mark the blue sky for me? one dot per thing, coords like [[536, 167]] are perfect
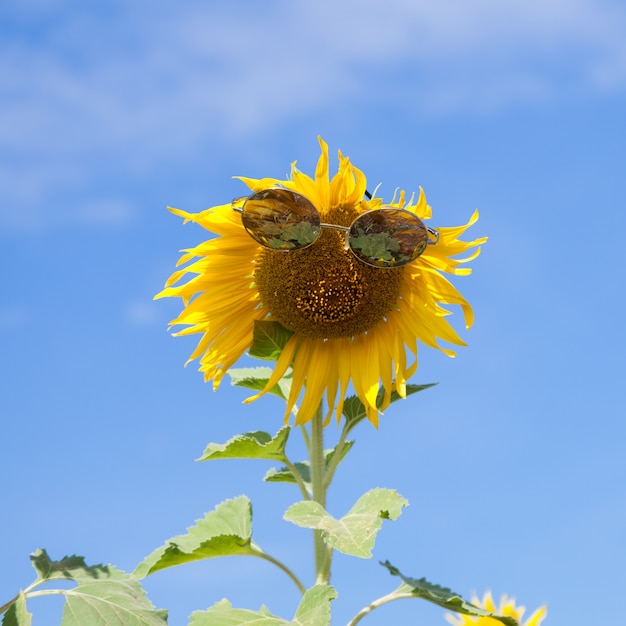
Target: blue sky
[[513, 464]]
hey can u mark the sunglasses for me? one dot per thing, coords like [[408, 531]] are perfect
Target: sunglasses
[[283, 220]]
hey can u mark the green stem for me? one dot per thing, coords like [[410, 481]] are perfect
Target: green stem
[[27, 592], [4, 607], [298, 478], [336, 458], [285, 569], [49, 592], [374, 605], [318, 471]]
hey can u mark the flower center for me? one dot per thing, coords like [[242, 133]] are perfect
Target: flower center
[[323, 291]]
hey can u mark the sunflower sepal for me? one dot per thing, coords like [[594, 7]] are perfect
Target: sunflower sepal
[[268, 340], [442, 596], [313, 610], [257, 378], [355, 411], [355, 533]]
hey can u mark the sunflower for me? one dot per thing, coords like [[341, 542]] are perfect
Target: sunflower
[[350, 322], [507, 608]]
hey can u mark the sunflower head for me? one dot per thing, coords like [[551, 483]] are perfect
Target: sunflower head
[[507, 607], [354, 303]]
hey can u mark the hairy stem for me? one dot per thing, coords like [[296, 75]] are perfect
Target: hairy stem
[[318, 471], [374, 605], [285, 569], [337, 457], [6, 606], [296, 474]]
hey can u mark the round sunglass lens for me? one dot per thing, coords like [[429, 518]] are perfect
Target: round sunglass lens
[[388, 237], [281, 219]]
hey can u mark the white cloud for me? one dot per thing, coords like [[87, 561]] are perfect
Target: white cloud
[[142, 313], [104, 81], [14, 316], [106, 212]]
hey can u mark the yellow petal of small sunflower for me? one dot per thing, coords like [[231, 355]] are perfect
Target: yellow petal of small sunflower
[[363, 320], [507, 607]]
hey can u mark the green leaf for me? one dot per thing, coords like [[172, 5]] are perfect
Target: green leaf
[[116, 599], [355, 533], [255, 445], [104, 595], [225, 531], [223, 614], [354, 409], [17, 614], [284, 474], [268, 340], [68, 568], [314, 610], [442, 596], [256, 378], [330, 454]]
